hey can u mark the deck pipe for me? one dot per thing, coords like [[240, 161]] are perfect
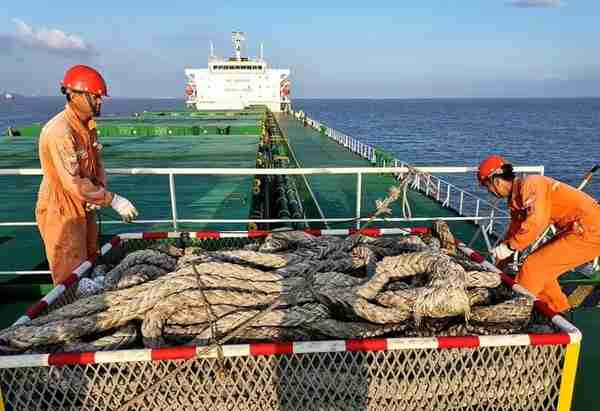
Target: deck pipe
[[278, 196]]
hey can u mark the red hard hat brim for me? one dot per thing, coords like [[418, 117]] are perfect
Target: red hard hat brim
[[85, 79], [102, 94]]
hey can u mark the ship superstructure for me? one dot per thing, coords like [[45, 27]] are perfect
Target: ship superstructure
[[238, 82]]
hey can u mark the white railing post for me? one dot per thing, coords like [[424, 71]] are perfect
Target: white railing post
[[477, 208], [447, 201], [486, 238], [173, 201], [462, 198], [358, 198], [491, 229]]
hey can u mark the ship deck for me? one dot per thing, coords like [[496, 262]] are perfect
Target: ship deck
[[203, 140]]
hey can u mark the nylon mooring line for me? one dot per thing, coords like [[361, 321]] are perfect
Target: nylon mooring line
[[244, 324]]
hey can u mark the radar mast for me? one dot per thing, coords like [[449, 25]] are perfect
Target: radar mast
[[237, 37]]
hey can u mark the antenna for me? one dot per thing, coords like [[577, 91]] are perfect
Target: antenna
[[261, 51], [212, 50], [237, 37]]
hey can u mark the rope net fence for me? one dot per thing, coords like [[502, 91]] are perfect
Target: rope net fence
[[394, 374], [498, 378]]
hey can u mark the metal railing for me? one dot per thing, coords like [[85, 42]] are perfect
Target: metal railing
[[477, 215], [447, 194]]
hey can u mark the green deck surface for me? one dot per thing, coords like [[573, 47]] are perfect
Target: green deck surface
[[336, 194], [198, 197]]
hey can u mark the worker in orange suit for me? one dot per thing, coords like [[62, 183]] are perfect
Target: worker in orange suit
[[535, 202], [74, 182]]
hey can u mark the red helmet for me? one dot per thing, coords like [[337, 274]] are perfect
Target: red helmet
[[86, 79], [490, 166]]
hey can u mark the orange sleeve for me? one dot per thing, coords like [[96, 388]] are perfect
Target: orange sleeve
[[535, 194], [64, 158]]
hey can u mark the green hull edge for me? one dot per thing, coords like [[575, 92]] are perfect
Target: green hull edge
[[137, 130]]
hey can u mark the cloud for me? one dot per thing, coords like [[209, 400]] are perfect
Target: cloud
[[53, 41], [534, 3]]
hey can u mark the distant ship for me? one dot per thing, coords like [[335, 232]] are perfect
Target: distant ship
[[238, 82], [8, 96]]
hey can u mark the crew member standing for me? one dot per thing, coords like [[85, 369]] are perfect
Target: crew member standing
[[535, 202], [74, 182]]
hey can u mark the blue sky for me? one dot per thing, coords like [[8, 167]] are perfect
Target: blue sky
[[337, 49]]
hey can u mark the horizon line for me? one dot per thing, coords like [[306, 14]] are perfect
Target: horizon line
[[349, 98]]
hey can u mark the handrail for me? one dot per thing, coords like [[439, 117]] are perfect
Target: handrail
[[276, 220], [273, 171], [382, 163], [359, 171], [478, 218]]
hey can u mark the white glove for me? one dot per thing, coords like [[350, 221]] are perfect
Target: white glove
[[502, 252], [92, 207], [124, 207]]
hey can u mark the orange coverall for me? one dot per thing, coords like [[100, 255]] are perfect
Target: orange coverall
[[73, 176], [535, 203]]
